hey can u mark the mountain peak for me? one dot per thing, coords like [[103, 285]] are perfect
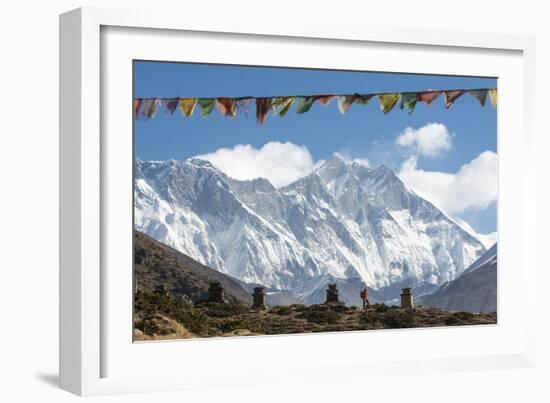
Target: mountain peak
[[334, 167], [337, 156], [343, 220], [199, 162], [383, 168]]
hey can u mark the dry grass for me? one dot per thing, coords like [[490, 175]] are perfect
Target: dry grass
[[179, 333], [227, 321]]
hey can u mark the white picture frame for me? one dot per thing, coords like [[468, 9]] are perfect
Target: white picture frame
[[96, 352]]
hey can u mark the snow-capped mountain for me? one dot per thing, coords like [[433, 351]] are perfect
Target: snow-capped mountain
[[345, 220], [487, 259], [475, 290]]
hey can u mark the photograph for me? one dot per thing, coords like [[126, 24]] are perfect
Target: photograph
[[284, 200]]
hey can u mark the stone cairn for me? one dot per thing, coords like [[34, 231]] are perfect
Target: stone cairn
[[258, 298], [407, 299], [332, 294], [142, 256], [215, 292]]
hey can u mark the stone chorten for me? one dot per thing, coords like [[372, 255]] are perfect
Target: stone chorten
[[259, 298], [332, 294], [407, 298], [215, 292]]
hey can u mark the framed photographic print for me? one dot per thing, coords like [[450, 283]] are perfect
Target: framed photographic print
[[281, 214], [238, 191]]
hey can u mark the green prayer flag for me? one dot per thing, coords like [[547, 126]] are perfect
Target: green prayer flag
[[480, 95], [408, 101], [304, 104], [388, 101], [361, 99], [207, 106]]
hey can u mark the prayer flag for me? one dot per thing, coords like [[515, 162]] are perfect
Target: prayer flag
[[187, 106], [451, 97], [480, 95], [344, 103], [227, 106], [493, 97], [207, 105], [324, 99], [428, 96], [150, 107], [263, 106], [244, 105], [304, 104], [276, 105], [388, 101], [283, 105], [137, 106], [362, 99], [170, 105], [408, 101]]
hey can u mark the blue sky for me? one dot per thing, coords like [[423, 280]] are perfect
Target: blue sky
[[364, 132]]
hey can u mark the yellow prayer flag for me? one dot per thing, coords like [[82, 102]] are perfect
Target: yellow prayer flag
[[388, 101], [187, 106], [281, 105], [493, 97]]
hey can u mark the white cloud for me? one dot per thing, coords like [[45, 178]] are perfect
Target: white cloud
[[362, 161], [430, 140], [280, 163], [473, 186]]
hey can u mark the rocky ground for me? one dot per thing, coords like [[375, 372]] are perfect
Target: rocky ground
[[161, 317]]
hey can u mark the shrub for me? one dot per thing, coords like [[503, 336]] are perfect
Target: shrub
[[466, 316], [215, 310], [458, 318], [282, 310], [149, 303], [229, 325], [371, 318], [381, 308], [396, 319], [321, 316], [452, 320]]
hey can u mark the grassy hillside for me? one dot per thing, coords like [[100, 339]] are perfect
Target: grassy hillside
[[157, 265], [166, 317]]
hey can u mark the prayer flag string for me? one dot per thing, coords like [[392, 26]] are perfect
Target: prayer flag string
[[146, 108]]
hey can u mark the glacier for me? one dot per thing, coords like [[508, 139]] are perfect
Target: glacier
[[344, 221]]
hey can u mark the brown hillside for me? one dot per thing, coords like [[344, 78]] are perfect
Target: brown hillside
[[157, 265]]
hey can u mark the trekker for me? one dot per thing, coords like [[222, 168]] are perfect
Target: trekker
[[365, 297]]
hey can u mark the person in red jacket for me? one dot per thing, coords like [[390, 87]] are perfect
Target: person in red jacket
[[365, 297]]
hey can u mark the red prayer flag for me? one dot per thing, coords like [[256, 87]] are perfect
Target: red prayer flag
[[324, 99], [428, 96], [263, 106]]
